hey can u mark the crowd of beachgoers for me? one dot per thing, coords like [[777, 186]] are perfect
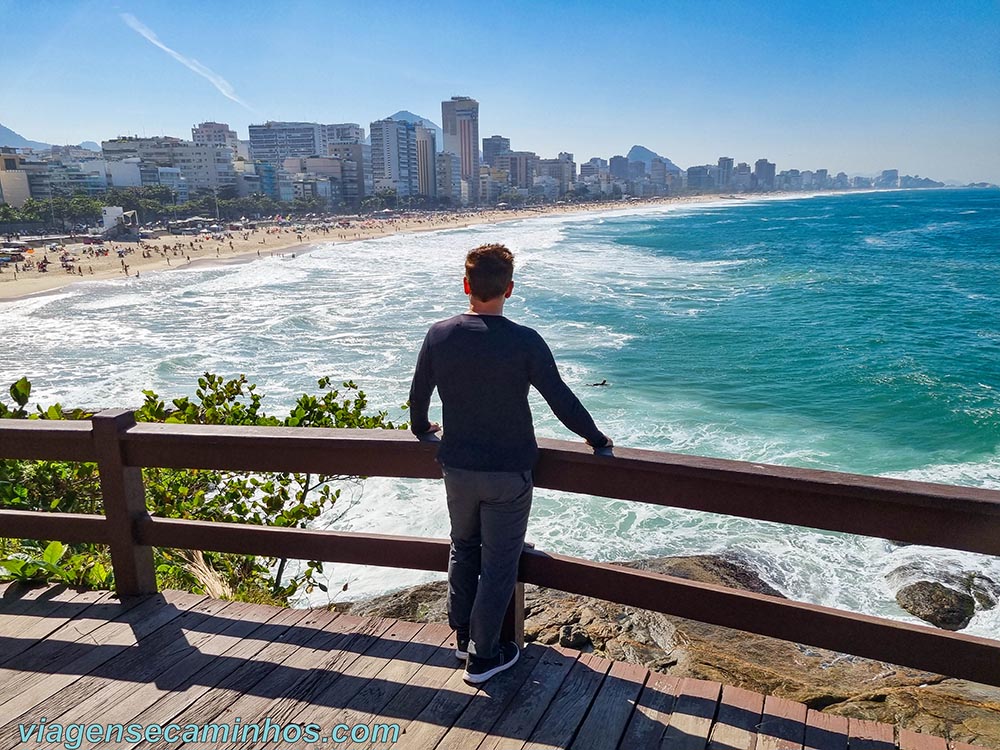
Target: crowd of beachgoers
[[38, 264]]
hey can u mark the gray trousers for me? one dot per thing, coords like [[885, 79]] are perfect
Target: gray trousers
[[489, 516]]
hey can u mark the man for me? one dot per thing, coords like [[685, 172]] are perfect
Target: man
[[482, 365]]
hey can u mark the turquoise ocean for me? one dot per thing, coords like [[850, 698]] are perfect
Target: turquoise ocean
[[856, 332]]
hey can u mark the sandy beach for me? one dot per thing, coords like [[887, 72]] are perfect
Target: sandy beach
[[78, 262]]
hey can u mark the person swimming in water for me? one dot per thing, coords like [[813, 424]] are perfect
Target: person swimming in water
[[603, 382]]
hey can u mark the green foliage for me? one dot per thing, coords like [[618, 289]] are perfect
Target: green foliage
[[155, 203], [283, 499]]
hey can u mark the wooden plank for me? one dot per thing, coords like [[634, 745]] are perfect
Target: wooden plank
[[109, 641], [68, 640], [691, 719], [39, 618], [910, 740], [783, 726], [652, 712], [612, 708], [291, 631], [524, 712], [870, 735], [570, 704], [332, 688], [305, 670], [825, 731], [113, 680], [420, 688], [460, 716], [367, 706], [120, 701], [35, 600], [736, 720], [32, 619], [263, 621]]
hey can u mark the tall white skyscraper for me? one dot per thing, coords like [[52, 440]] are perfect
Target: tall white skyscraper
[[394, 156], [460, 124]]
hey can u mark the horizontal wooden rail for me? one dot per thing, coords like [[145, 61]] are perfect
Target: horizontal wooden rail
[[965, 518], [46, 439], [416, 553], [74, 528]]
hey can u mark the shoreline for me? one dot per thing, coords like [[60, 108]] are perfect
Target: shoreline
[[178, 252]]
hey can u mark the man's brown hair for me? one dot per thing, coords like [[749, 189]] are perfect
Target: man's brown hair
[[489, 269]]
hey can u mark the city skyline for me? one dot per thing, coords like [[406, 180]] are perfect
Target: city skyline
[[855, 88]]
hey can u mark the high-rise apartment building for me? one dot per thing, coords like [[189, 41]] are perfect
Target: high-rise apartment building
[[344, 132], [206, 166], [742, 177], [394, 156], [449, 178], [358, 179], [520, 166], [495, 144], [426, 161], [460, 124], [273, 142], [725, 172], [562, 169], [619, 168], [593, 167], [657, 172], [216, 134], [763, 173]]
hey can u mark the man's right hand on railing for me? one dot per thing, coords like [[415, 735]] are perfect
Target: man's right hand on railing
[[604, 450]]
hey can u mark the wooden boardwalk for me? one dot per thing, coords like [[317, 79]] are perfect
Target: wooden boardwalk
[[74, 657]]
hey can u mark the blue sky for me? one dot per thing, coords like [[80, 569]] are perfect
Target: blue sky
[[853, 86]]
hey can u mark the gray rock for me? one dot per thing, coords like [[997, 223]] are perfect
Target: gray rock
[[937, 604]]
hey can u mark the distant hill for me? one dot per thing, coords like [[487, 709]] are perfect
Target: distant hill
[[15, 140], [428, 122], [9, 138], [643, 154]]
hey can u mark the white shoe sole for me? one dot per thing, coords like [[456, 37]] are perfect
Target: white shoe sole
[[476, 679], [459, 654]]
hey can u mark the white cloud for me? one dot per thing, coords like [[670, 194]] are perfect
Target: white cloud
[[224, 87]]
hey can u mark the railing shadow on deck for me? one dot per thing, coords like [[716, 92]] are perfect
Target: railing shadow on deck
[[947, 516], [314, 689]]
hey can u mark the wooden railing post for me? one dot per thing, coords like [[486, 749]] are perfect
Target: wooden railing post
[[513, 619], [124, 504]]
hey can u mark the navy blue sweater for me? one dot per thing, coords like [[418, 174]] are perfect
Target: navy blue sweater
[[482, 366]]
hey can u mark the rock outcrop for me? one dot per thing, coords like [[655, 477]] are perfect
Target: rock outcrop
[[945, 597], [824, 680]]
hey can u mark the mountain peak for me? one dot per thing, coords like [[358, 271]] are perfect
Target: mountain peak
[[643, 154], [15, 140], [406, 116]]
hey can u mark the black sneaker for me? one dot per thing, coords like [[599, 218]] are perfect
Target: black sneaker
[[462, 646], [480, 670]]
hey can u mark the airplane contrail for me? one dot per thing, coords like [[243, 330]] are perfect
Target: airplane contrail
[[224, 87]]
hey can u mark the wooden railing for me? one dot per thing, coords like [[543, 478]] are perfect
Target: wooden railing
[[939, 515]]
